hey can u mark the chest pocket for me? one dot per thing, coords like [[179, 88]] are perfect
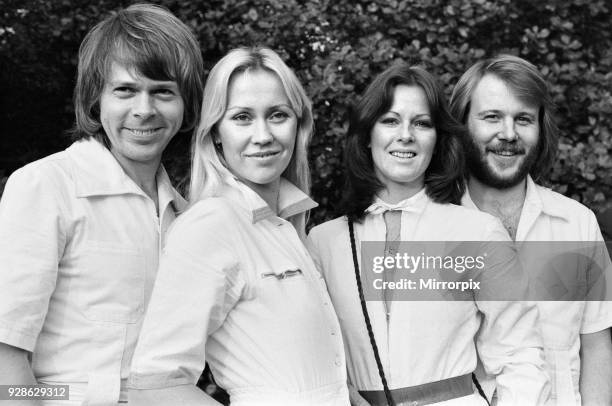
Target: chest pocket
[[110, 282], [287, 284]]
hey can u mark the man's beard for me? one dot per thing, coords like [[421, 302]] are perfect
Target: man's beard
[[484, 172]]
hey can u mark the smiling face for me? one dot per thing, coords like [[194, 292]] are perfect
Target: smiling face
[[402, 142], [504, 132], [139, 116], [258, 130]]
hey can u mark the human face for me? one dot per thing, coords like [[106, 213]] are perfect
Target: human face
[[504, 132], [402, 142], [139, 116], [258, 130]]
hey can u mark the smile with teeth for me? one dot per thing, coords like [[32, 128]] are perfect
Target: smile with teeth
[[401, 154], [142, 132], [506, 153], [265, 154]]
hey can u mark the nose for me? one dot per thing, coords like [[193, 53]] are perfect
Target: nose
[[144, 106], [508, 131], [405, 134], [261, 133]]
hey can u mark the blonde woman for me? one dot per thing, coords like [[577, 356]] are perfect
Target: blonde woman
[[236, 286]]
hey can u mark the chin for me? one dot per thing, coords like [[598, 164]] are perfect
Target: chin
[[262, 180]]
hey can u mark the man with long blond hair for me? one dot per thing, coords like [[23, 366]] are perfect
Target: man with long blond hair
[[81, 230]]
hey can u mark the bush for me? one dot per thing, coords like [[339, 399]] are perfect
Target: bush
[[335, 46]]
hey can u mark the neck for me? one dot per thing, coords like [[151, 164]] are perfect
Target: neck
[[393, 194], [268, 192], [505, 204]]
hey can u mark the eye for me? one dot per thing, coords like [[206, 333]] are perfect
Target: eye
[[524, 120], [241, 117], [278, 116], [390, 121], [426, 124], [165, 92], [124, 91], [491, 117]]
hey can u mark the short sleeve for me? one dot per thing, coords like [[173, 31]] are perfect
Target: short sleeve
[[313, 249], [198, 282], [322, 243], [598, 313], [32, 240]]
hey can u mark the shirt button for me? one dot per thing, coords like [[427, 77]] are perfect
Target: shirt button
[[337, 363]]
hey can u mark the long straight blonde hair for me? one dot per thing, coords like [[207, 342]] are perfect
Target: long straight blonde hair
[[208, 171]]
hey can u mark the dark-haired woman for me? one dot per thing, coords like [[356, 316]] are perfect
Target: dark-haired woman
[[404, 179]]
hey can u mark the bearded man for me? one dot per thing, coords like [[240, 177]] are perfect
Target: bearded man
[[511, 144]]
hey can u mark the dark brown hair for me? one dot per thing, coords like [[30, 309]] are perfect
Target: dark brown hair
[[443, 177]]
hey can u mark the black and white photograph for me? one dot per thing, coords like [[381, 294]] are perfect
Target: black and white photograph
[[305, 202]]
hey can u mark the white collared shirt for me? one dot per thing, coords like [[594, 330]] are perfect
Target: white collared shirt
[[238, 289], [79, 248], [423, 341], [550, 216]]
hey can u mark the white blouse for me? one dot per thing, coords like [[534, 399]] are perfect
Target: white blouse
[[424, 341], [237, 288]]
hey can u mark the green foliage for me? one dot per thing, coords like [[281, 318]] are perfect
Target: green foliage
[[335, 46]]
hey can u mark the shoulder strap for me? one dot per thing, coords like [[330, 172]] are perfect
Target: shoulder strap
[[364, 309]]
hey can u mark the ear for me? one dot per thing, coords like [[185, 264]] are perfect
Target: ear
[[215, 136]]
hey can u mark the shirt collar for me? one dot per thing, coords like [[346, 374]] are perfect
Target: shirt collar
[[96, 172], [291, 201], [534, 201], [415, 203], [167, 194]]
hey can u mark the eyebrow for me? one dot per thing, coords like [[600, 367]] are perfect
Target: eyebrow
[[156, 85], [238, 107], [485, 112], [528, 113], [419, 115], [489, 111]]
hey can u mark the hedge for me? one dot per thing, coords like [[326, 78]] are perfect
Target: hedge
[[335, 46]]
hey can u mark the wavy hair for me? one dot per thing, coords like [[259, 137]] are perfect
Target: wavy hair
[[208, 170], [443, 177], [527, 84], [148, 39]]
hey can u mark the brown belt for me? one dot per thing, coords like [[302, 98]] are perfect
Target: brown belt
[[424, 394]]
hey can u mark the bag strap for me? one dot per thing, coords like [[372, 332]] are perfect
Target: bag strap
[[479, 388], [364, 309]]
